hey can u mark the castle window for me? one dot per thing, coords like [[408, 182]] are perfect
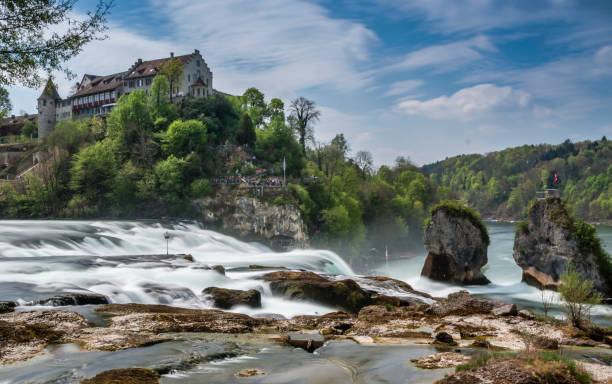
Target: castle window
[[198, 63], [125, 83], [189, 78], [44, 103], [96, 97], [148, 81], [198, 91], [112, 94], [131, 83]]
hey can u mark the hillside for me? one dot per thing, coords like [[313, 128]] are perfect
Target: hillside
[[501, 184]]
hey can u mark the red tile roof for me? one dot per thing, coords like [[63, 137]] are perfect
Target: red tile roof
[[151, 67], [101, 84]]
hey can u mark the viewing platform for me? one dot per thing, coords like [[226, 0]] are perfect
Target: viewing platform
[[553, 192]]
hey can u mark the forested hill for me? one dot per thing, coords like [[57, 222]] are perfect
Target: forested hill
[[501, 184]]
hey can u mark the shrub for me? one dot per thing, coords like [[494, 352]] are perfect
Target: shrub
[[199, 188], [577, 296]]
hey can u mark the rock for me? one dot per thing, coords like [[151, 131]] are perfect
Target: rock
[[461, 303], [456, 244], [525, 314], [163, 318], [309, 344], [249, 372], [257, 266], [549, 239], [73, 299], [543, 342], [220, 269], [228, 298], [505, 310], [7, 306], [444, 338], [441, 360], [382, 314], [124, 376], [345, 294], [281, 226], [608, 340]]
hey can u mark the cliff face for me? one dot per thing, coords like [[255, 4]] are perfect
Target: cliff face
[[456, 249], [278, 225], [548, 241]]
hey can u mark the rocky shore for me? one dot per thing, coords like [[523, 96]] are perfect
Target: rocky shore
[[455, 325]]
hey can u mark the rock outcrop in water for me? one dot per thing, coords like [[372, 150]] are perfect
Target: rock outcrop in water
[[550, 238], [279, 225], [227, 298], [456, 242]]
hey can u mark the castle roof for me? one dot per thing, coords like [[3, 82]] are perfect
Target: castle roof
[[100, 84], [49, 92], [151, 67]]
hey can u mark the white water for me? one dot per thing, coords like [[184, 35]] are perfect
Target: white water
[[41, 258]]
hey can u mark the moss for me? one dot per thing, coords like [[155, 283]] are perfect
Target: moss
[[523, 227], [453, 209]]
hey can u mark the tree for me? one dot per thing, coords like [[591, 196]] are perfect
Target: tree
[[341, 144], [304, 113], [184, 137], [276, 109], [38, 36], [363, 160], [246, 131], [5, 103], [29, 129], [158, 99], [172, 69], [130, 126], [169, 179], [93, 171], [577, 295], [254, 104]]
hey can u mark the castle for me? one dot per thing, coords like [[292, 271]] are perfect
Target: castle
[[96, 95]]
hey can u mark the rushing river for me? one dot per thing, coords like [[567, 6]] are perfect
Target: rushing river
[[39, 259]]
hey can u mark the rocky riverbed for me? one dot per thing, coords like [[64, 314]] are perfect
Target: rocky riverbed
[[456, 327]]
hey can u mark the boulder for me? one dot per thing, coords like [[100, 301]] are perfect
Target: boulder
[[309, 343], [550, 238], [301, 285], [505, 310], [525, 314], [124, 375], [444, 338], [456, 242], [220, 269], [73, 299], [227, 298], [461, 303], [7, 306]]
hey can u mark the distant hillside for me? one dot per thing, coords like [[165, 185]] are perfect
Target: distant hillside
[[501, 184]]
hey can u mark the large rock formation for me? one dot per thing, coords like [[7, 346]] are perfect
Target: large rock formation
[[456, 242], [279, 225], [550, 238]]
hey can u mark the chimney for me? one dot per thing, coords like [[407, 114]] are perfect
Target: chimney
[[139, 61], [197, 52], [171, 54]]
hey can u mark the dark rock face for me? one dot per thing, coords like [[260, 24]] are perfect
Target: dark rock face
[[74, 299], [461, 303], [548, 241], [456, 250], [445, 338], [346, 294], [7, 306], [227, 298]]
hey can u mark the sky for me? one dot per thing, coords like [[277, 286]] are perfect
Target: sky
[[423, 79]]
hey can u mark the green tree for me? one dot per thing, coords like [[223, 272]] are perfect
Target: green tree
[[158, 99], [93, 171], [169, 179], [29, 129], [246, 131], [254, 104], [5, 101], [28, 48], [577, 295], [184, 137], [131, 128], [303, 113], [172, 69], [276, 109]]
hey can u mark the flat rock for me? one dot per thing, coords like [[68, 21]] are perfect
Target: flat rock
[[505, 310], [441, 360], [525, 314], [249, 372], [227, 298], [461, 303], [73, 299], [124, 376]]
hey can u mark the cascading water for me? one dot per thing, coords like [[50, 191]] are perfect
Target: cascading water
[[42, 258]]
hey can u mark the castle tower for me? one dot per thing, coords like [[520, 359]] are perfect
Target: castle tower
[[46, 109]]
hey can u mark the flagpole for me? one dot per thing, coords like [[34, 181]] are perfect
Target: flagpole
[[284, 173]]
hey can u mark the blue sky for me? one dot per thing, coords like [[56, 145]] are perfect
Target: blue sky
[[423, 79]]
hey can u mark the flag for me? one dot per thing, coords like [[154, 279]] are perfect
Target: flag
[[556, 177]]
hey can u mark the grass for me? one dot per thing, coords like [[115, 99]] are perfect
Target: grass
[[482, 359]]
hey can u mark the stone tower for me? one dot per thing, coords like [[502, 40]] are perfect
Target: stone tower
[[47, 109]]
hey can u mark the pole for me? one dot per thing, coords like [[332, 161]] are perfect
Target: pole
[[284, 173], [167, 237]]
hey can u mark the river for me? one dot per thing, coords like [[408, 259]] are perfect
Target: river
[[39, 259]]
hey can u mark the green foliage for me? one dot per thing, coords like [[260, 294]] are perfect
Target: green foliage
[[246, 131], [5, 103], [159, 105], [93, 171], [523, 227], [184, 137], [199, 188], [254, 105], [29, 129], [169, 179], [453, 209], [172, 70], [577, 296], [71, 135]]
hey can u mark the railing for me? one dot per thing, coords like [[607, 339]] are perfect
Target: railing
[[541, 195], [17, 139]]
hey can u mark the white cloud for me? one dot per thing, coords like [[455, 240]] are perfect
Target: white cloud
[[403, 87], [467, 103], [444, 57]]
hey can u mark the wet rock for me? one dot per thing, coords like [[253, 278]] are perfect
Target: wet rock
[[162, 318], [7, 306], [73, 299], [550, 239], [444, 338], [220, 269], [165, 294], [309, 343], [257, 266], [461, 303], [227, 298], [249, 372], [441, 360], [505, 310], [124, 376], [525, 314], [345, 294], [456, 244], [381, 314]]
